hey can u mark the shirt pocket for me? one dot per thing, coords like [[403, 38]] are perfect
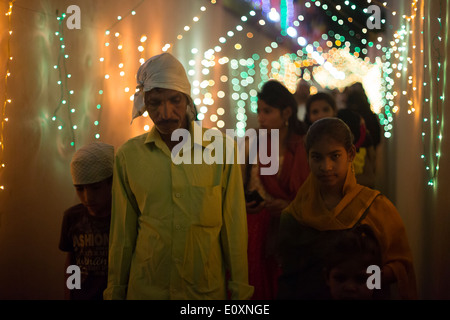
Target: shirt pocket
[[206, 205], [203, 175]]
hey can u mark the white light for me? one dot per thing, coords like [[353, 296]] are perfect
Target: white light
[[274, 15], [292, 32], [302, 41]]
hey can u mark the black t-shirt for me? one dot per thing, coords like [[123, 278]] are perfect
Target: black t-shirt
[[87, 237]]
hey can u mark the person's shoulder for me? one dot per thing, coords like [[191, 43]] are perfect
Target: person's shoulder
[[297, 142], [132, 143], [382, 206], [75, 211]]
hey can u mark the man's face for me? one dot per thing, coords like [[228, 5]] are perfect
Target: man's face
[[167, 108]]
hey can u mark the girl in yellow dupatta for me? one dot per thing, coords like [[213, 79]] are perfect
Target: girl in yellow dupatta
[[331, 200]]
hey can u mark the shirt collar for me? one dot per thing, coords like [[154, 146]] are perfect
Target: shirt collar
[[154, 137]]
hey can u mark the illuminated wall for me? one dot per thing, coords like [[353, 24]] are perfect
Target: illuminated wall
[[67, 87], [418, 157]]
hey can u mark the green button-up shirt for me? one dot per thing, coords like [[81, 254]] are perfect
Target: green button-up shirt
[[177, 231]]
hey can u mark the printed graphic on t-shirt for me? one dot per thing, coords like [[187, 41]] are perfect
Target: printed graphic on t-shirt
[[91, 253]]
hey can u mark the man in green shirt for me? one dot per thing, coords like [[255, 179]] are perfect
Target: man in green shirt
[[178, 231]]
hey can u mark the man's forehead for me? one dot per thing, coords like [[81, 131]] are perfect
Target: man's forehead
[[162, 92]]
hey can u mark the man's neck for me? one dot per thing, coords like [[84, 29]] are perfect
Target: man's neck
[[167, 138]]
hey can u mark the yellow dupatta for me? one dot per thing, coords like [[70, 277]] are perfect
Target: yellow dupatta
[[309, 208]]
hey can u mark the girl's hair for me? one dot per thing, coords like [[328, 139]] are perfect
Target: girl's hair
[[358, 243], [276, 95], [317, 97], [329, 127]]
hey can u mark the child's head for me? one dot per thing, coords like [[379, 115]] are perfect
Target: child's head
[[318, 106], [92, 168], [330, 149], [349, 256]]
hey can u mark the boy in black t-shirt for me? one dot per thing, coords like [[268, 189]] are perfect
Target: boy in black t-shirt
[[85, 226]]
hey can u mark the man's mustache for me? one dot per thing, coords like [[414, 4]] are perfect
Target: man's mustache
[[166, 122]]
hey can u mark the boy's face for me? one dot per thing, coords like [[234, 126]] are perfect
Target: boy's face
[[348, 281], [96, 197]]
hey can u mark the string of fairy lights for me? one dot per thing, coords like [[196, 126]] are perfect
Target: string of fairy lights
[[7, 98], [322, 58], [65, 101], [310, 52], [428, 95]]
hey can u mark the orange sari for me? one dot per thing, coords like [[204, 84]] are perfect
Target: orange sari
[[263, 226]]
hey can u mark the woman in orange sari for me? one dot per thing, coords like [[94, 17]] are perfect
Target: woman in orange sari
[[330, 200], [277, 110]]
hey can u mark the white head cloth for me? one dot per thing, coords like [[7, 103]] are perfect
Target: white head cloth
[[160, 71], [92, 163]]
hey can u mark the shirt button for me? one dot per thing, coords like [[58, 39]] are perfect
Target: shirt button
[[178, 195], [177, 227]]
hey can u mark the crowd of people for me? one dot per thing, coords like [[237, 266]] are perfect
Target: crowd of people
[[147, 228]]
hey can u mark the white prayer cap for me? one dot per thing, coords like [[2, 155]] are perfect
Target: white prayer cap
[[92, 163], [160, 71]]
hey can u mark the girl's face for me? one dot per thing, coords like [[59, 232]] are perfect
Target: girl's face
[[329, 161], [270, 117], [320, 109]]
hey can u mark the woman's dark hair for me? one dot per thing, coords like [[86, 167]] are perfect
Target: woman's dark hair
[[317, 97], [276, 95], [353, 120], [329, 127], [359, 243]]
